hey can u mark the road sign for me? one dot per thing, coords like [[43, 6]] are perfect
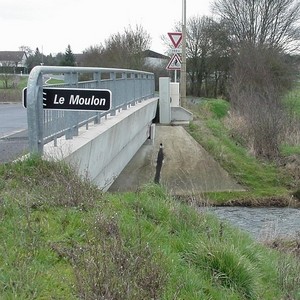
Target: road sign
[[74, 99], [174, 63], [176, 38], [176, 50]]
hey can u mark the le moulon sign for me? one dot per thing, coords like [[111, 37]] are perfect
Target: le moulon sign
[[74, 99]]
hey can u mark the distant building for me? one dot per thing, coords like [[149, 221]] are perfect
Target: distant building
[[154, 59], [13, 59]]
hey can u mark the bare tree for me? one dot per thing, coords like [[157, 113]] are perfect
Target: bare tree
[[261, 22], [260, 31], [198, 43], [125, 50], [256, 92], [93, 56], [207, 51]]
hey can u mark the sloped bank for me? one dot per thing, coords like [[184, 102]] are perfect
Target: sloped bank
[[67, 240]]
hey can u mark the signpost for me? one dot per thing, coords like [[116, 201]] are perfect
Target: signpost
[[175, 61], [183, 66], [74, 99]]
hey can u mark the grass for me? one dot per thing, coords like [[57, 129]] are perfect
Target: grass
[[54, 81], [292, 103], [62, 238], [292, 100], [13, 94], [260, 178]]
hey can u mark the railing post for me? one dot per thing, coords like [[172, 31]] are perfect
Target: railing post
[[133, 77], [71, 78], [97, 77], [113, 79], [35, 114], [125, 91]]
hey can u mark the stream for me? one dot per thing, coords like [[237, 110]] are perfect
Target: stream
[[262, 223]]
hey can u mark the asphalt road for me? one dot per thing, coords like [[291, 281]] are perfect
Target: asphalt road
[[13, 132]]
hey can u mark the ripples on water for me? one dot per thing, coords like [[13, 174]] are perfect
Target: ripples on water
[[262, 223]]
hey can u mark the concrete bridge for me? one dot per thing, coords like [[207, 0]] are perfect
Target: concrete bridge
[[98, 143]]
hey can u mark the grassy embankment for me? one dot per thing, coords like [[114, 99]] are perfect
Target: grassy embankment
[[262, 180], [61, 238]]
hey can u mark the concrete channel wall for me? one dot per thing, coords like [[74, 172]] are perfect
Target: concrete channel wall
[[102, 152]]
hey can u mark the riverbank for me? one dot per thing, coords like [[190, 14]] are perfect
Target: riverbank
[[266, 183], [63, 238], [272, 201]]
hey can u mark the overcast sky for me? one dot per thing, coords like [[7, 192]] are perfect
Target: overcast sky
[[51, 25]]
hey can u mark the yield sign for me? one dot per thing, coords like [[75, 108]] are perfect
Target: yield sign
[[175, 38], [174, 63]]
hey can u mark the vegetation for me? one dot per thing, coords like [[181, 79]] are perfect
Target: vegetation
[[62, 238], [11, 87], [68, 58], [213, 128], [260, 179]]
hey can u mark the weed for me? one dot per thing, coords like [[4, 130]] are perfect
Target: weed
[[59, 183], [288, 270], [109, 268]]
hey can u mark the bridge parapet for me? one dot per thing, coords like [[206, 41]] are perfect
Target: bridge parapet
[[127, 87], [102, 152]]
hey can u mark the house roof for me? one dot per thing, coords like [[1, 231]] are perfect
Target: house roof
[[14, 56], [150, 53]]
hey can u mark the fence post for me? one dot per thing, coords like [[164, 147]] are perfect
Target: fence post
[[35, 114], [97, 77]]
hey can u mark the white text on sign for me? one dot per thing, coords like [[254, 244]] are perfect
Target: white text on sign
[[77, 100]]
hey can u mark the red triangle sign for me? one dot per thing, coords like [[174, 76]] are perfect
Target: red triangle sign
[[174, 63], [176, 38]]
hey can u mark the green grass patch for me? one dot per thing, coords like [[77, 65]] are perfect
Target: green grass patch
[[292, 100], [260, 178], [14, 93], [219, 108], [55, 81], [62, 238], [288, 150]]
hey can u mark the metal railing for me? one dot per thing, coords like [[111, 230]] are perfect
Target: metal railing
[[127, 87]]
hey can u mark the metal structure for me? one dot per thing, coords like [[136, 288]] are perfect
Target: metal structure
[[183, 63], [127, 87]]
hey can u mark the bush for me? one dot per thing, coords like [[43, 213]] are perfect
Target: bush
[[259, 79]]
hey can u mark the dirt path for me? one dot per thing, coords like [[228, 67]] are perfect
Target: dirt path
[[187, 169]]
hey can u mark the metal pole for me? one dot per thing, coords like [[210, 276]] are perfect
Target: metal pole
[[183, 63]]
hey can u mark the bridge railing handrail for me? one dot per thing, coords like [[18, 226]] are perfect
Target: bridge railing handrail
[[127, 86]]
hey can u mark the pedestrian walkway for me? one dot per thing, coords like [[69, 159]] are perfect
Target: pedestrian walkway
[[187, 169]]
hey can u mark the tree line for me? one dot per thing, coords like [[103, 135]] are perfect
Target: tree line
[[246, 53], [213, 44]]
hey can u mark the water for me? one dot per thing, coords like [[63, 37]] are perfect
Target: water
[[262, 223]]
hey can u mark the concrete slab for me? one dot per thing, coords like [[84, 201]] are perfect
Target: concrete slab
[[187, 169], [102, 152]]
